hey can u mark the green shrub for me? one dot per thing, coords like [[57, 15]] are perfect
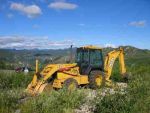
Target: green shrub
[[136, 100], [116, 103], [14, 80], [11, 85], [56, 102], [9, 100]]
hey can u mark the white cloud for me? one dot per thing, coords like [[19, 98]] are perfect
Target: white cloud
[[28, 42], [62, 5], [110, 45], [141, 23], [31, 10]]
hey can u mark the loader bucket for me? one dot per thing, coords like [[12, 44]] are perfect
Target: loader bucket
[[39, 81], [37, 90]]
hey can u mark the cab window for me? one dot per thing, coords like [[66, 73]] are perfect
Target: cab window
[[96, 57]]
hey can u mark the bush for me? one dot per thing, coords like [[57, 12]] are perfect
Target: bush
[[56, 102], [116, 103], [11, 80], [11, 88], [136, 100], [9, 100]]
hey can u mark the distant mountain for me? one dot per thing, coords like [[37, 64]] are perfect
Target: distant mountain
[[130, 51], [23, 57]]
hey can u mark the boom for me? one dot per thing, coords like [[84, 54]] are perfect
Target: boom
[[109, 62]]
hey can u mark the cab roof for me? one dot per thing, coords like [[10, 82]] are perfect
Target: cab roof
[[90, 47]]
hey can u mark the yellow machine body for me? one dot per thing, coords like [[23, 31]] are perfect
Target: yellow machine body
[[61, 72]]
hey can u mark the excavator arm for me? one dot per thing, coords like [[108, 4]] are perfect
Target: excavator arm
[[109, 62]]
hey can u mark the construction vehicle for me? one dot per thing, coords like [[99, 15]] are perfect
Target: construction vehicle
[[90, 69]]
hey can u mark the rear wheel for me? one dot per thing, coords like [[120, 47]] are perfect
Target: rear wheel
[[70, 84], [95, 79]]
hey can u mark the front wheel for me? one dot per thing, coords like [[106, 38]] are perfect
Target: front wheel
[[70, 84], [96, 79]]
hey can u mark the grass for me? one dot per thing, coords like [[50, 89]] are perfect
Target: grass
[[10, 80], [55, 102], [9, 100], [12, 86], [136, 100]]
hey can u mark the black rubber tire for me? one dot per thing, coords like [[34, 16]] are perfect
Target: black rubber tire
[[68, 82], [92, 79]]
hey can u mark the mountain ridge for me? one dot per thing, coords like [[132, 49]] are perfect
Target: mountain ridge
[[24, 57]]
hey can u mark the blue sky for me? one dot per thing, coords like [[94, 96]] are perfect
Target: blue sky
[[59, 23]]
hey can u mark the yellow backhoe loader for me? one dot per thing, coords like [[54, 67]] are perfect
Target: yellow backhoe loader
[[90, 69]]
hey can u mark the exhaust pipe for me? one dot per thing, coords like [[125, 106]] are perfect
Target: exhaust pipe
[[71, 52], [37, 66]]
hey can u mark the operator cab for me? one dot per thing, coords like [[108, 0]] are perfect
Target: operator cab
[[89, 58]]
